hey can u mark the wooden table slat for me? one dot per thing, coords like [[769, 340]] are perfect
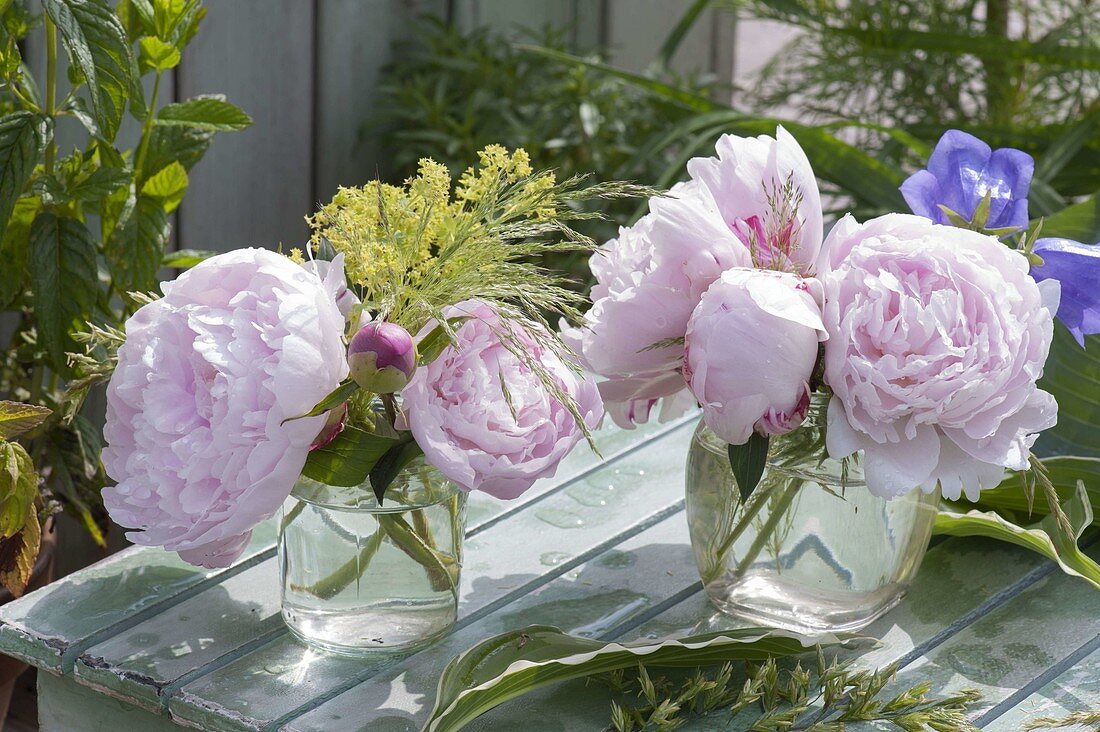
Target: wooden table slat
[[601, 549], [50, 627], [620, 583], [153, 659], [976, 565]]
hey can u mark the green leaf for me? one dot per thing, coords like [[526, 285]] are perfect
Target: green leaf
[[1064, 147], [514, 663], [168, 185], [833, 160], [135, 249], [1044, 538], [430, 346], [17, 418], [22, 134], [348, 459], [988, 47], [18, 487], [1072, 375], [18, 554], [747, 462], [335, 398], [136, 17], [679, 32], [1065, 472], [158, 55], [673, 93], [64, 276], [98, 48], [170, 144], [210, 113], [1080, 222], [391, 464], [14, 249], [981, 212], [77, 474], [101, 183], [186, 258]]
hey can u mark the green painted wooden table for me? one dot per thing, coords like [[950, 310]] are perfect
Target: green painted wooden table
[[143, 641]]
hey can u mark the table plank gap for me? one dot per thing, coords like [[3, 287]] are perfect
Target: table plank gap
[[590, 601], [622, 629], [1077, 689], [984, 567], [68, 659], [1011, 701], [518, 593], [42, 628], [234, 655], [1013, 646]]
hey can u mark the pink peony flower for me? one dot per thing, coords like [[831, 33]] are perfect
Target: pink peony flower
[[757, 203], [767, 194], [751, 349], [480, 436], [937, 336], [196, 433], [650, 279]]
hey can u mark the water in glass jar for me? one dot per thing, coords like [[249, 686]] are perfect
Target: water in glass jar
[[358, 578], [810, 550]]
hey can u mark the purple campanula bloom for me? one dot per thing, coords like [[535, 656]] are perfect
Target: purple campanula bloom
[[1076, 266], [961, 170]]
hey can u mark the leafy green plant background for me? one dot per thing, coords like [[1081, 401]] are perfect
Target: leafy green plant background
[[82, 229]]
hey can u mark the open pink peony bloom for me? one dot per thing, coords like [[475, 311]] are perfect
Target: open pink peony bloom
[[751, 349], [196, 437], [756, 204], [473, 432], [767, 194], [937, 336]]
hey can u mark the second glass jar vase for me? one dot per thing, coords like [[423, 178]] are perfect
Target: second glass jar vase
[[811, 550], [358, 578]]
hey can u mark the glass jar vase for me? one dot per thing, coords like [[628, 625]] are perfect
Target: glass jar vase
[[811, 550], [358, 578]]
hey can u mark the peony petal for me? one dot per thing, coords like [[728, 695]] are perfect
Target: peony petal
[[894, 468]]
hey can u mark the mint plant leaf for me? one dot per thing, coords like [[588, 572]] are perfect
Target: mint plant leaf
[[97, 45], [136, 247], [65, 281], [210, 113], [22, 135]]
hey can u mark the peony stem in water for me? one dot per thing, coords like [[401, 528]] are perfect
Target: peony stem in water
[[766, 531], [442, 569], [418, 544], [351, 570]]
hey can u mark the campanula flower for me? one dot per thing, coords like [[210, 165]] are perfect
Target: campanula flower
[[961, 171], [1076, 266]]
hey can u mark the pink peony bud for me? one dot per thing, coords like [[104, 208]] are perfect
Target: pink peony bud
[[750, 351], [382, 357]]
